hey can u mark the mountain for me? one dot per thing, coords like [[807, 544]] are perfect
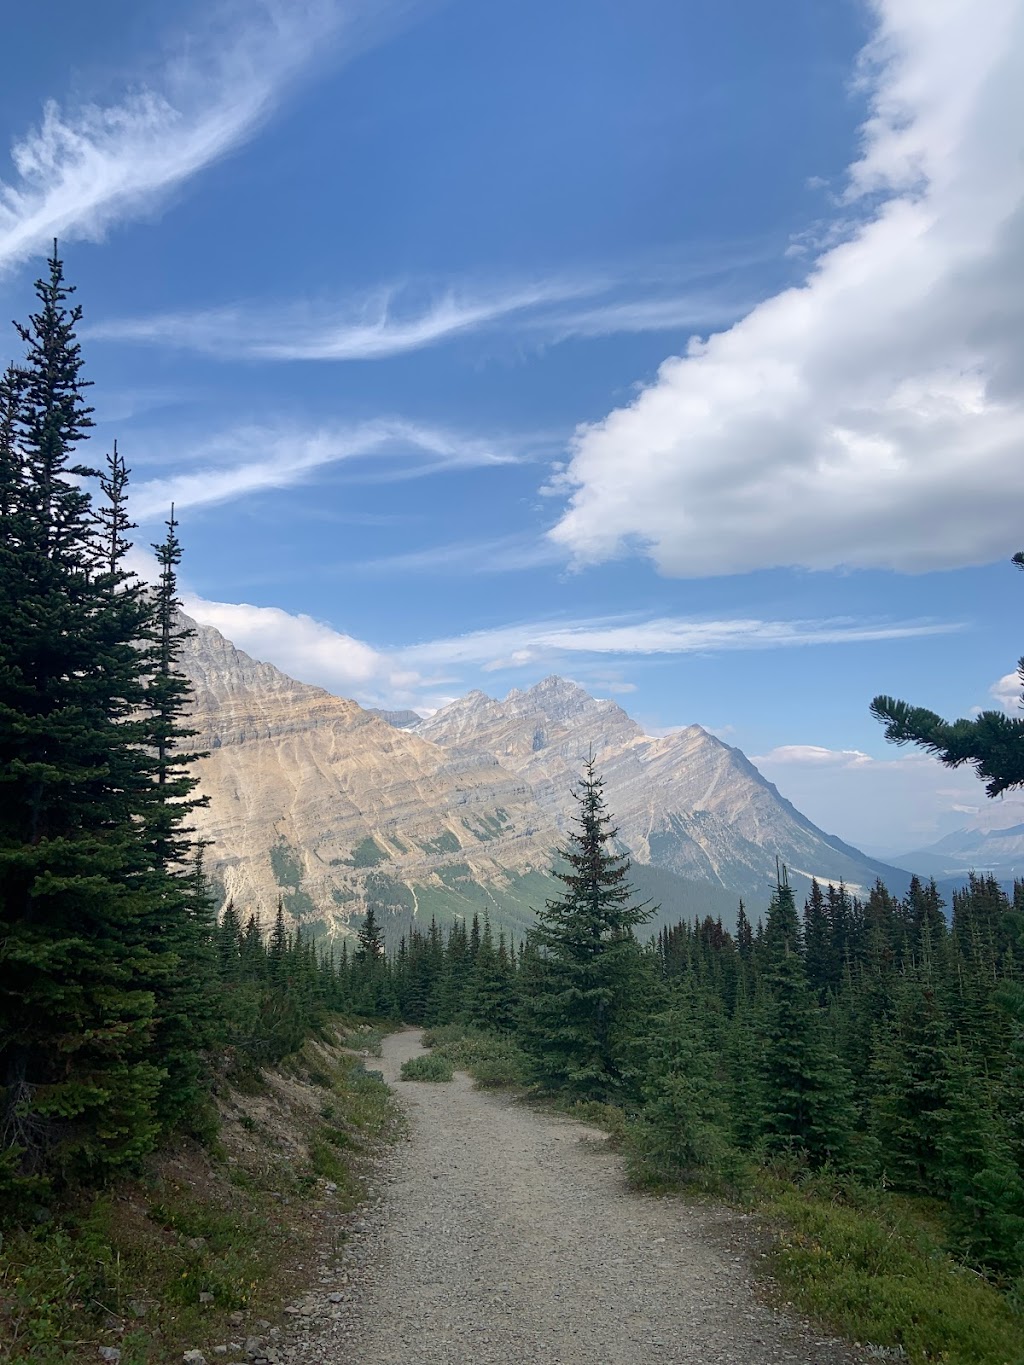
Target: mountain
[[992, 842], [329, 806], [314, 799], [685, 802], [401, 720]]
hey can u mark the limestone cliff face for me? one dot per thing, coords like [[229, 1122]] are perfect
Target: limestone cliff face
[[686, 801], [311, 797], [327, 805]]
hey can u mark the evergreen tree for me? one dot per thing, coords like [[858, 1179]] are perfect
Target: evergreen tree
[[182, 922], [682, 1127], [584, 984], [807, 1103], [77, 1079]]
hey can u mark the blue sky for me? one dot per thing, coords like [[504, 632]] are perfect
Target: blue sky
[[675, 348]]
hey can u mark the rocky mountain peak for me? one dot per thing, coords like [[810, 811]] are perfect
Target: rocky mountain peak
[[560, 701], [329, 805]]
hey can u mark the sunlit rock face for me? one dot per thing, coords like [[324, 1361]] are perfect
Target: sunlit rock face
[[322, 803], [684, 801], [310, 796]]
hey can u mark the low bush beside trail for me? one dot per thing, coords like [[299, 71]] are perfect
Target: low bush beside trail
[[493, 1061], [427, 1067]]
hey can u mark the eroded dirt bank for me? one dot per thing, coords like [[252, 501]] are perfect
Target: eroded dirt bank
[[509, 1236]]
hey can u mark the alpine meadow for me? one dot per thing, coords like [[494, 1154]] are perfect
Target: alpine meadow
[[476, 486]]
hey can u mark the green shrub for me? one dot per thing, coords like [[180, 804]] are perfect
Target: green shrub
[[493, 1061], [875, 1268], [443, 1034], [366, 1039], [427, 1067]]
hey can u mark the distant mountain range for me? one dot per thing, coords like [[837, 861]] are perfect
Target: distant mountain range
[[330, 806], [992, 843]]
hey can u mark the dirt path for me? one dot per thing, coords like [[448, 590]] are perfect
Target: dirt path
[[509, 1236]]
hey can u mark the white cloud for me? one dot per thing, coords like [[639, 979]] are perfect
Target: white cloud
[[412, 675], [391, 321], [1007, 692], [873, 416], [309, 650], [674, 313], [82, 169], [788, 754], [371, 329], [502, 554], [527, 643], [284, 457]]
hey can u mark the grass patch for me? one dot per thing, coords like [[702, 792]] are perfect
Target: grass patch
[[610, 1118], [873, 1265], [446, 842], [427, 1067], [367, 1039], [493, 1061], [127, 1269]]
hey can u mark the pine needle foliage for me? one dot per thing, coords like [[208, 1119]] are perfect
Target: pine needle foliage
[[583, 985], [991, 743]]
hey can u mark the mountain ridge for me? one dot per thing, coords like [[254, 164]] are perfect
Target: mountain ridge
[[329, 806]]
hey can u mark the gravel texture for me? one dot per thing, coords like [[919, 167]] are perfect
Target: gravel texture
[[508, 1235]]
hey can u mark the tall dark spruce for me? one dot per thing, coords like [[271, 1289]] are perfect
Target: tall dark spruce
[[181, 920], [80, 891], [582, 988]]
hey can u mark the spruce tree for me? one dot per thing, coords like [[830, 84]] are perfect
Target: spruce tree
[[806, 1096], [77, 1079], [584, 984], [682, 1127], [181, 922]]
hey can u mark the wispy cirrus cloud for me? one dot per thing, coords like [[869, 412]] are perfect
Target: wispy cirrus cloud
[[84, 167], [410, 674], [543, 642], [499, 554], [378, 325], [410, 316], [248, 460]]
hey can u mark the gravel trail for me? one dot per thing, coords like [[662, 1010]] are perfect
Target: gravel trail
[[507, 1235]]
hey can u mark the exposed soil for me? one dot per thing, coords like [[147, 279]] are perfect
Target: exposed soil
[[508, 1235]]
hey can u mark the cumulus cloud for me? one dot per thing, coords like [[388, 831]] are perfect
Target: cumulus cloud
[[83, 168], [874, 415], [309, 650], [253, 459], [1007, 693]]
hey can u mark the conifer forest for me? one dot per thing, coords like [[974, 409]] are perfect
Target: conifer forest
[[874, 1041]]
